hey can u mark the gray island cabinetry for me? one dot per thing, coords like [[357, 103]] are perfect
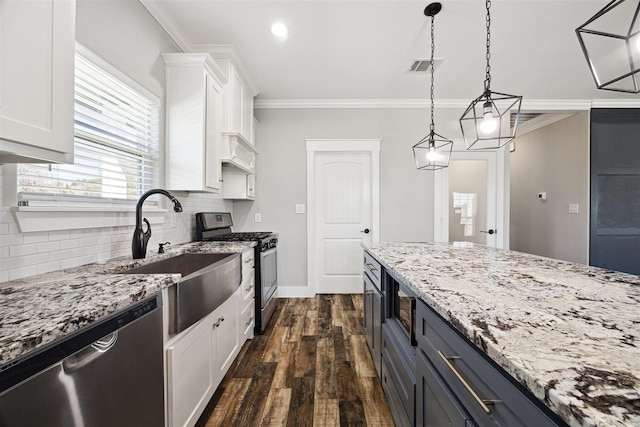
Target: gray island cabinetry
[[475, 336]]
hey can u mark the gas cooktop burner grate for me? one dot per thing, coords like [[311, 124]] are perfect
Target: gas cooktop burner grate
[[241, 236]]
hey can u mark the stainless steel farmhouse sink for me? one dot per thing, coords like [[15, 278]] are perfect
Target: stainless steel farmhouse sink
[[207, 281]]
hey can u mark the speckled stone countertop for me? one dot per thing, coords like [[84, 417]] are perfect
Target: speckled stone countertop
[[569, 333], [40, 309]]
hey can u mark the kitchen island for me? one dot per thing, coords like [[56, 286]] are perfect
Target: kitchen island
[[568, 333], [38, 310]]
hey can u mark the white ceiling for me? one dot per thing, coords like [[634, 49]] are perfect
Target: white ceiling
[[360, 50]]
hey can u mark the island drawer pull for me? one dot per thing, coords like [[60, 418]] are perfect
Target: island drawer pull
[[371, 267], [483, 403]]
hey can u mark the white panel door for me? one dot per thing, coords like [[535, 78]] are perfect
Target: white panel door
[[343, 219]]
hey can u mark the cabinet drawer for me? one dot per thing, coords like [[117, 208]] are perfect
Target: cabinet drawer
[[247, 287], [435, 403], [373, 269], [512, 405], [247, 318], [247, 262], [399, 414], [400, 359]]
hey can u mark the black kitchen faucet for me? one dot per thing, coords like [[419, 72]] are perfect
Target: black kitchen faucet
[[140, 237]]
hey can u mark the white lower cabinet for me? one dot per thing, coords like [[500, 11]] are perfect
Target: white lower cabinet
[[198, 360]]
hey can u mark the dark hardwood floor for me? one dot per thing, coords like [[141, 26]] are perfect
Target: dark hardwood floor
[[312, 367]]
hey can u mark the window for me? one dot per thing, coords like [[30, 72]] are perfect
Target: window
[[116, 141]]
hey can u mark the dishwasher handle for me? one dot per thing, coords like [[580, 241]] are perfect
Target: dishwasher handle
[[90, 353]]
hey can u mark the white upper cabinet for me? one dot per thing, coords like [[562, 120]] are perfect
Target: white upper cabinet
[[37, 46], [238, 145], [194, 108], [238, 99]]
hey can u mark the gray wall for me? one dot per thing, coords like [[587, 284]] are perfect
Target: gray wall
[[406, 194], [553, 159]]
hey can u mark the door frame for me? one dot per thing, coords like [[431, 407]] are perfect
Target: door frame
[[441, 194], [338, 146]]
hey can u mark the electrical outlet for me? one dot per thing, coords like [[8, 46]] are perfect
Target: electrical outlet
[[257, 218], [574, 208], [299, 209]]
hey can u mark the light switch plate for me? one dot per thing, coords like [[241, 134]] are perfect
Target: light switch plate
[[299, 209], [574, 208]]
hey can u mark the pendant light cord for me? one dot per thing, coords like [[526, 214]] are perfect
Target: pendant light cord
[[487, 79], [433, 48]]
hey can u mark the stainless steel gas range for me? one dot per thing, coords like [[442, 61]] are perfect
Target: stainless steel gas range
[[216, 226]]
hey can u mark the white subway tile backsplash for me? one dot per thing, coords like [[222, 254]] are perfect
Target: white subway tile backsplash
[[59, 255], [11, 263], [36, 259], [35, 237], [48, 246], [58, 235], [69, 263], [22, 250], [48, 267], [21, 273], [27, 254]]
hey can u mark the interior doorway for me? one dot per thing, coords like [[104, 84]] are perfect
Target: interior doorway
[[470, 199]]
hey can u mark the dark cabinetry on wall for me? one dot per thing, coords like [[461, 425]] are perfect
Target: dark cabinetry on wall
[[434, 376], [615, 189]]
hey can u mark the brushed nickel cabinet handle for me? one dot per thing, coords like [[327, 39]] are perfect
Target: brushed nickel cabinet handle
[[371, 267], [215, 325], [483, 403]]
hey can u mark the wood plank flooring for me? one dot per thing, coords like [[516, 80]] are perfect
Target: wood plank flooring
[[312, 367]]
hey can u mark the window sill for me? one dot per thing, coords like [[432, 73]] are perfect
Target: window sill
[[52, 218]]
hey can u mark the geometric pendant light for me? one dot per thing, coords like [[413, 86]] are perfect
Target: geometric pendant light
[[486, 123], [433, 151], [610, 41]]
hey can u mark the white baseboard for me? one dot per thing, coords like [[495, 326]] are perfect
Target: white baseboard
[[295, 292]]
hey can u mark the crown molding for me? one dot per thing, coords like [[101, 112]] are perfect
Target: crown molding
[[166, 21], [527, 105], [616, 103], [355, 103], [227, 51]]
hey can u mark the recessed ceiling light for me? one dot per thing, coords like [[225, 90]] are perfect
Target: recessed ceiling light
[[280, 30]]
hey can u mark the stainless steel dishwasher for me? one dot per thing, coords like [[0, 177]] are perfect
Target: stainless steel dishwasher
[[107, 374]]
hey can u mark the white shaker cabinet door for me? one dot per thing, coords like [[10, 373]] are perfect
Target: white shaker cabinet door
[[190, 376], [37, 48]]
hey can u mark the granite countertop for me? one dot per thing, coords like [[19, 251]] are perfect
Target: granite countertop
[[567, 332], [37, 310]]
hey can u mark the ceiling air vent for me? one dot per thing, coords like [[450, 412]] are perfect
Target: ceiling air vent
[[423, 65]]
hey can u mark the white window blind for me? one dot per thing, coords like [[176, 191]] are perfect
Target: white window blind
[[116, 143]]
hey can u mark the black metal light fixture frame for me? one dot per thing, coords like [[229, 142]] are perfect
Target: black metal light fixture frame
[[432, 152], [613, 54], [486, 123]]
